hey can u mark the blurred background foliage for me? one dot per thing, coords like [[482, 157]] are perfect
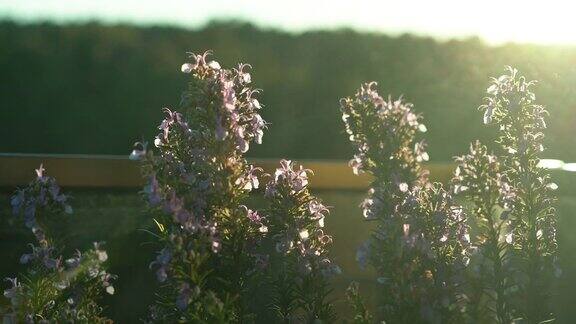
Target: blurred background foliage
[[91, 88]]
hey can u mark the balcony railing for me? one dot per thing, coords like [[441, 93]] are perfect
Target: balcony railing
[[116, 171]]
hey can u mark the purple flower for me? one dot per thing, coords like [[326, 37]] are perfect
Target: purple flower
[[372, 206], [26, 258], [184, 296], [244, 77], [199, 62], [297, 179], [174, 205], [172, 119], [30, 214], [420, 151], [258, 124], [357, 163], [17, 201], [152, 189], [241, 142], [285, 168], [40, 172], [163, 261], [253, 215], [13, 293], [39, 234], [100, 253], [294, 180], [249, 180], [300, 180], [183, 217], [74, 262], [40, 195], [228, 94], [318, 210], [52, 264], [105, 279]]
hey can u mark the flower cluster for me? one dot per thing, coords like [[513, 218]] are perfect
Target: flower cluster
[[530, 217], [421, 244], [479, 178], [296, 222], [54, 289], [480, 174], [383, 132], [42, 193], [197, 187], [236, 118], [420, 254]]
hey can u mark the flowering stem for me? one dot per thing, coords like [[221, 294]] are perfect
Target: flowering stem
[[495, 253], [510, 105]]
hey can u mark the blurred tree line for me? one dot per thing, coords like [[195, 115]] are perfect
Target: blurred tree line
[[90, 88]]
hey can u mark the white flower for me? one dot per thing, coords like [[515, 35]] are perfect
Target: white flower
[[214, 65], [102, 255], [135, 155], [509, 238], [493, 89], [304, 235], [357, 164], [406, 229], [403, 187], [552, 186], [488, 115], [255, 103], [459, 188], [246, 77], [187, 67], [423, 157], [466, 261], [422, 128]]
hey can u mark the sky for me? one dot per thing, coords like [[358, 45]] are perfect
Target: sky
[[495, 21]]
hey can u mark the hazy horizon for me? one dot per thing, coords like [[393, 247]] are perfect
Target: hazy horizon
[[491, 21]]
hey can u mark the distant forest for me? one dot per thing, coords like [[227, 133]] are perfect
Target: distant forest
[[91, 88]]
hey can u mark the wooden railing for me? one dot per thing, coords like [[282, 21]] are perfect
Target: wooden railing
[[113, 171], [117, 171]]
